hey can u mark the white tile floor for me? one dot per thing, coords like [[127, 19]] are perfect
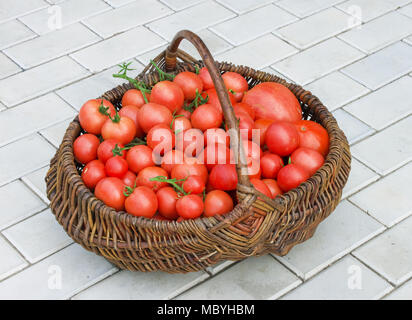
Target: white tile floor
[[361, 72]]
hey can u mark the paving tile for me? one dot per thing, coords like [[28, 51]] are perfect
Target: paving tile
[[317, 61], [59, 276], [254, 278], [7, 66], [11, 261], [194, 18], [365, 38], [2, 107], [38, 237], [389, 199], [118, 3], [359, 177], [39, 80], [36, 114], [402, 293], [10, 9], [408, 40], [276, 73], [13, 32], [348, 279], [345, 229], [336, 90], [52, 45], [265, 20], [383, 66], [407, 10], [366, 10], [353, 128], [303, 8], [54, 134], [117, 49], [180, 4], [397, 141], [399, 3], [35, 180], [25, 155], [219, 267], [142, 286], [390, 254], [94, 86], [242, 6], [314, 29], [17, 202], [373, 108], [71, 11], [258, 53], [126, 17]]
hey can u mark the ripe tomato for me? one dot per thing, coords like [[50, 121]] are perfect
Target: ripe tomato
[[309, 159], [274, 101], [91, 119], [144, 176], [205, 117], [270, 165], [215, 154], [242, 106], [291, 176], [214, 99], [181, 124], [142, 202], [252, 150], [134, 97], [129, 179], [161, 139], [122, 130], [110, 191], [190, 206], [132, 112], [194, 185], [116, 167], [152, 114], [139, 157], [217, 202], [207, 81], [85, 148], [261, 186], [253, 168], [273, 187], [171, 158], [168, 94], [167, 198], [246, 124], [223, 177], [190, 167], [186, 113], [216, 135], [282, 138], [234, 81], [313, 135], [92, 173], [105, 150], [189, 82], [191, 142], [262, 125]]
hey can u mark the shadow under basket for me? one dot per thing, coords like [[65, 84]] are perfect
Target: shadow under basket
[[254, 227]]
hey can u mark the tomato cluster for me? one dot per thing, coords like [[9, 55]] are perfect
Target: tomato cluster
[[167, 153]]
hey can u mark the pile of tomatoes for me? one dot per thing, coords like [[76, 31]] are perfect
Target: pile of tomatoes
[[167, 153]]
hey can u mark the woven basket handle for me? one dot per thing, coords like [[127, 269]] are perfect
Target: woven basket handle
[[228, 113]]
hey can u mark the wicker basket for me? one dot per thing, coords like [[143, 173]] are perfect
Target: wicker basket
[[254, 227]]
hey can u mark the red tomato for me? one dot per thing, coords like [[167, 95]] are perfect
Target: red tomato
[[205, 117], [253, 168], [313, 135], [252, 150], [194, 185], [85, 148], [274, 101], [167, 198], [261, 186], [116, 167], [273, 187], [191, 167], [91, 119], [241, 106], [129, 179], [132, 112], [216, 135], [234, 81], [215, 154], [291, 176], [139, 157], [110, 191], [282, 138], [223, 177], [270, 165], [181, 124], [152, 114], [186, 113], [191, 142], [190, 206], [168, 94], [134, 97], [246, 124], [189, 82], [142, 202], [92, 173], [262, 125], [207, 81], [123, 130], [161, 139], [309, 159], [105, 150], [214, 99], [217, 202], [172, 158], [144, 176]]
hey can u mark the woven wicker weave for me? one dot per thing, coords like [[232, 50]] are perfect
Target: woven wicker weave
[[254, 227]]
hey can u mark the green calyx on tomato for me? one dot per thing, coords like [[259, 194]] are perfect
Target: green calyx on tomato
[[127, 191], [173, 182], [117, 151], [197, 101], [174, 117], [139, 85]]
